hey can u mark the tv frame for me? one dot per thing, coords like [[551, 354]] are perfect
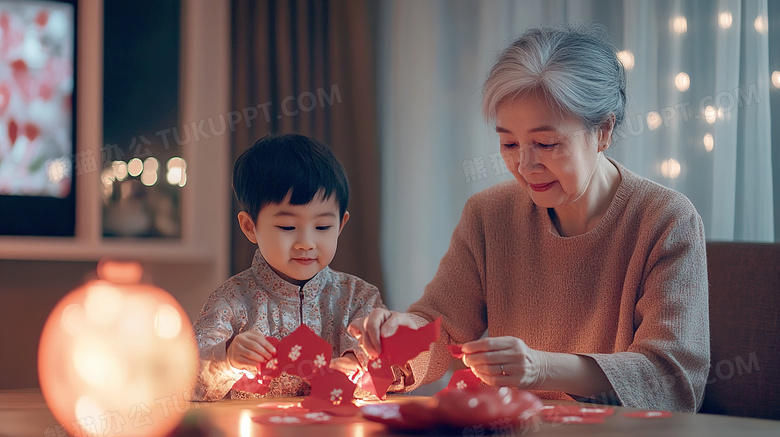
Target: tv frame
[[41, 215]]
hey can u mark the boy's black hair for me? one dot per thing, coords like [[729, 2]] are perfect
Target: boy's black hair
[[276, 165]]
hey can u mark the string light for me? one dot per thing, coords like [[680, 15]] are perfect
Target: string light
[[682, 81], [679, 25], [709, 142], [710, 114], [760, 24], [724, 20], [670, 168], [653, 120], [626, 58]]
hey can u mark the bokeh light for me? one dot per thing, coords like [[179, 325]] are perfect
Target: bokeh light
[[724, 20], [679, 25], [670, 168], [653, 120], [627, 58], [134, 167], [682, 81], [709, 142]]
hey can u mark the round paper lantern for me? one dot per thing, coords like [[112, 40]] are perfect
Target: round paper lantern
[[117, 356]]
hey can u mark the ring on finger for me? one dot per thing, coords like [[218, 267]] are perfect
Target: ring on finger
[[502, 369]]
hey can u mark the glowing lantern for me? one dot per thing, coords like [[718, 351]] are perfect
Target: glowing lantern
[[117, 357]]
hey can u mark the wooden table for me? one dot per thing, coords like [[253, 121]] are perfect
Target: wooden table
[[23, 413]]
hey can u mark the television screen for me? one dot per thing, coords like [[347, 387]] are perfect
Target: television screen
[[37, 85]]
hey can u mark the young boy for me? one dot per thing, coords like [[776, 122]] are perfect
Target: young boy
[[293, 195]]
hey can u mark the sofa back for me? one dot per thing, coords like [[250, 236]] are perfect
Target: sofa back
[[744, 378]]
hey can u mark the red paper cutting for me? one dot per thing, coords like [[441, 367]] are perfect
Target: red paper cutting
[[407, 343], [255, 385], [463, 379], [331, 393], [302, 353], [397, 350], [377, 379]]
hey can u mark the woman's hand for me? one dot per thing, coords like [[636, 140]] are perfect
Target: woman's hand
[[506, 361], [249, 350], [380, 323]]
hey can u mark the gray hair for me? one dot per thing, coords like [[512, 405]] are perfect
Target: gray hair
[[576, 70]]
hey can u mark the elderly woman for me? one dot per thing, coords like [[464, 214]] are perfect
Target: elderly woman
[[590, 280]]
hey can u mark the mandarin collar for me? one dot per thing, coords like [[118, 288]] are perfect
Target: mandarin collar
[[279, 287]]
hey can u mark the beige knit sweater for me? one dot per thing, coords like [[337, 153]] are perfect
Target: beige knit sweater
[[631, 293]]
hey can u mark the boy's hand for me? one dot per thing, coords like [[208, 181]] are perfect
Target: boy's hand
[[348, 364], [249, 350], [380, 323]]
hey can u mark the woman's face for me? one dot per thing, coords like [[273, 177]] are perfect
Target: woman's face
[[552, 155]]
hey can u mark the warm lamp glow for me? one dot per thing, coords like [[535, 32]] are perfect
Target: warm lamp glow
[[117, 357]]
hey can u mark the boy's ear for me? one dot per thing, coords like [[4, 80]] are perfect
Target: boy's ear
[[247, 226], [344, 221]]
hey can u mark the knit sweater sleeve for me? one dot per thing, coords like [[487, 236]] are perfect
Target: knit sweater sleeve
[[456, 294], [667, 363]]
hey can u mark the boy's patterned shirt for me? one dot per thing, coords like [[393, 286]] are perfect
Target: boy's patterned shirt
[[259, 299]]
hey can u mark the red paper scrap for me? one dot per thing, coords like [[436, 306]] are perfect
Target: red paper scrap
[[456, 350], [331, 393]]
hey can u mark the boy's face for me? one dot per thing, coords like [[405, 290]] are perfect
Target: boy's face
[[297, 241]]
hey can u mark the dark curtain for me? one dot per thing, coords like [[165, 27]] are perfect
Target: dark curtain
[[307, 66]]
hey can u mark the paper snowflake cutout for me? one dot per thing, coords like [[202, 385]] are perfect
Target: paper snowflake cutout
[[461, 384], [335, 396], [377, 364], [295, 352], [319, 361], [272, 364]]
